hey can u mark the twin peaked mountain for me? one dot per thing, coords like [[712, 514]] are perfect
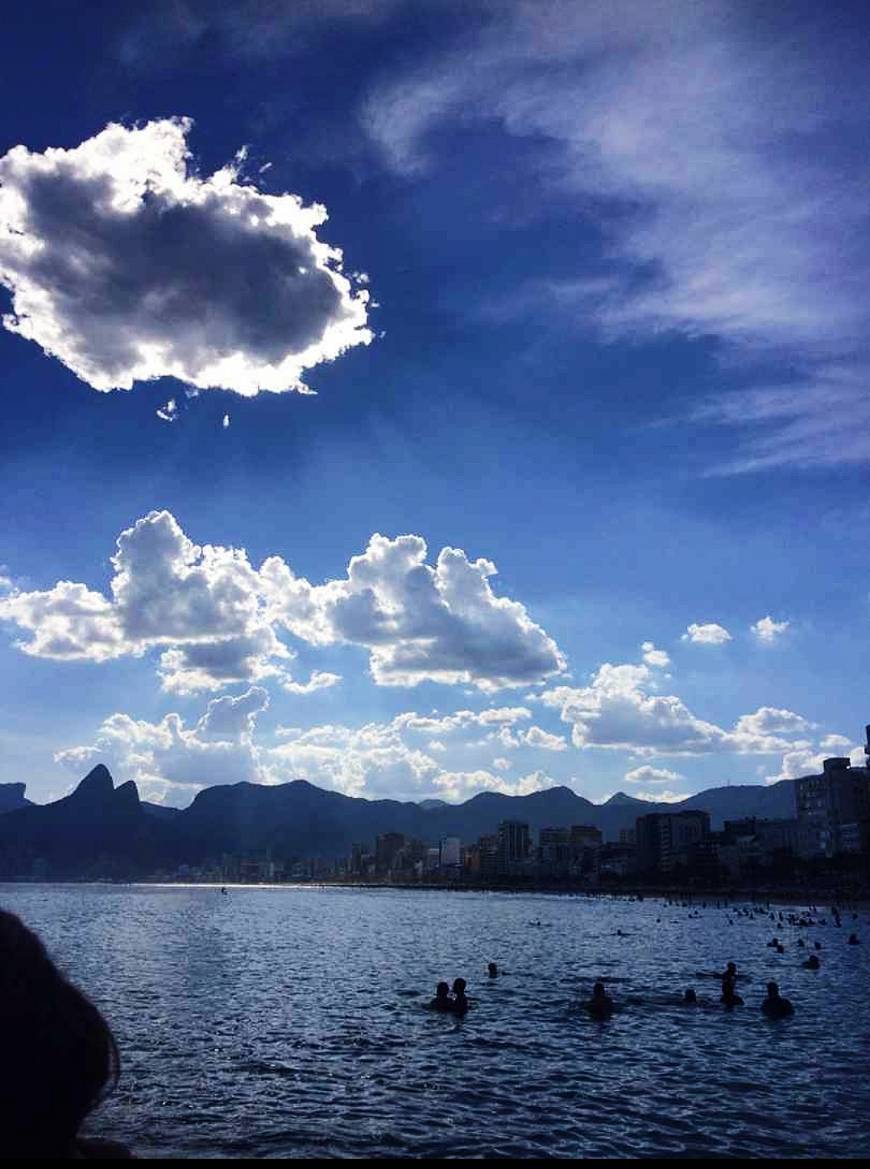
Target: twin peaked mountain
[[101, 831]]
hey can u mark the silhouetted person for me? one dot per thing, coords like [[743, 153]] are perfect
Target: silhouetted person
[[812, 963], [690, 999], [774, 941], [774, 1006], [492, 970], [600, 1005], [854, 940], [729, 996], [442, 1001], [459, 1003], [59, 1055]]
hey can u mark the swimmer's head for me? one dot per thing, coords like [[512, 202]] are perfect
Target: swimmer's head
[[772, 990], [459, 986], [598, 989], [442, 990], [493, 969], [690, 996]]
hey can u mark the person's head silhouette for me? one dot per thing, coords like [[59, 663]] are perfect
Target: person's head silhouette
[[58, 1053]]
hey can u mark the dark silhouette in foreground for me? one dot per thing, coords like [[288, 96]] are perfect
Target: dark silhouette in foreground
[[59, 1055], [774, 1006]]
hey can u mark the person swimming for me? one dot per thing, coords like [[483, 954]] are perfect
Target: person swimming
[[812, 963], [774, 1006], [442, 1000], [729, 996], [492, 970], [774, 941], [690, 999], [600, 1005], [459, 1003]]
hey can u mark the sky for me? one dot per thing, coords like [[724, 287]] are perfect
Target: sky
[[423, 398]]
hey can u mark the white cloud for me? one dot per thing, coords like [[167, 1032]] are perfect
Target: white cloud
[[169, 412], [710, 634], [663, 796], [536, 737], [767, 630], [835, 743], [127, 266], [216, 616], [319, 680], [714, 158], [618, 712], [420, 623], [647, 774], [502, 764], [654, 657], [167, 755], [377, 760], [462, 785]]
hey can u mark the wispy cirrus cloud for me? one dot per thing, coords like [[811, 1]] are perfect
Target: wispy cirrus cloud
[[718, 156]]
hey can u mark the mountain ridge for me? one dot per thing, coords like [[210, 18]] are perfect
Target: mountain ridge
[[102, 827]]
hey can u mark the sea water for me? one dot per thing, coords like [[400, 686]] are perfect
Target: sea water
[[291, 1021]]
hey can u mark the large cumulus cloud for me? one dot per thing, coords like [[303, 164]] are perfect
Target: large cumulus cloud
[[216, 618], [127, 266], [420, 622]]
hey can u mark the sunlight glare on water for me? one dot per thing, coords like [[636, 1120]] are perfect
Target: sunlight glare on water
[[291, 1022]]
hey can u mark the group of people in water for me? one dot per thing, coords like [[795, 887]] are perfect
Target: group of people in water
[[64, 1057]]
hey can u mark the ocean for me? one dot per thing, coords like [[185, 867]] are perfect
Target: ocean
[[291, 1021]]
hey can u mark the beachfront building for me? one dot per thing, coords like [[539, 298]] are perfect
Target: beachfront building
[[450, 856], [835, 805], [514, 845], [666, 841]]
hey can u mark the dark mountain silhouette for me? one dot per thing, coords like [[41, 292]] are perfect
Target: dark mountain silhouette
[[100, 830], [97, 830], [12, 797]]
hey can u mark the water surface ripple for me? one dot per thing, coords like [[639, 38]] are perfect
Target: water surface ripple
[[291, 1022]]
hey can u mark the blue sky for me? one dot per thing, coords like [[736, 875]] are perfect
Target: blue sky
[[609, 342]]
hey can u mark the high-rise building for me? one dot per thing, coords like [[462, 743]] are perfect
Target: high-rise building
[[667, 840], [451, 852], [836, 804], [513, 844], [386, 847]]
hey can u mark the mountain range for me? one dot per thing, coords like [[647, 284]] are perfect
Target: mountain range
[[100, 830]]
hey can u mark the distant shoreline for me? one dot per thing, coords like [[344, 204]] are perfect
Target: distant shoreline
[[822, 898]]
